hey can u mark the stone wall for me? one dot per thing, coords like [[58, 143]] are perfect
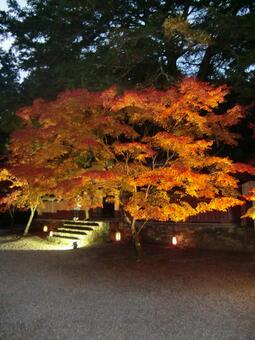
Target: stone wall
[[201, 235], [189, 235]]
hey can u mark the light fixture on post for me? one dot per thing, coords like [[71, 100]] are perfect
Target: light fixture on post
[[51, 233], [117, 236], [174, 241], [45, 229]]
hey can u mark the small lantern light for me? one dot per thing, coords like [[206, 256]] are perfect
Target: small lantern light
[[75, 245], [45, 229], [117, 236], [174, 241], [51, 233]]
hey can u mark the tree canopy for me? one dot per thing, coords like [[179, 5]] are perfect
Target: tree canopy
[[154, 149], [60, 45], [95, 44]]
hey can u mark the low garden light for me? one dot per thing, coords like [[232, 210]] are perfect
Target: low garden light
[[118, 236], [174, 241], [75, 245], [51, 233], [45, 229]]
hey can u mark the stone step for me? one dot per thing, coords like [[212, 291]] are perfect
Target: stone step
[[75, 228], [68, 235], [81, 222], [71, 238], [80, 226], [72, 232]]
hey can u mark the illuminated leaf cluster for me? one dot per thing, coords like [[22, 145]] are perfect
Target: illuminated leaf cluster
[[153, 149]]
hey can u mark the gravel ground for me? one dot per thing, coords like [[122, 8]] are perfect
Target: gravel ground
[[105, 293], [17, 242]]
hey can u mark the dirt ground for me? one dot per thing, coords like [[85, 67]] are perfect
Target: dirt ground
[[103, 292]]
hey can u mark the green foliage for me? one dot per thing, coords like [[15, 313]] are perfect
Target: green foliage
[[9, 98]]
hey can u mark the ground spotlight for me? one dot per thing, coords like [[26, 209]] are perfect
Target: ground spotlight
[[45, 229]]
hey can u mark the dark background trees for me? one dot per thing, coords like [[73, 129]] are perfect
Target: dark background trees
[[67, 44]]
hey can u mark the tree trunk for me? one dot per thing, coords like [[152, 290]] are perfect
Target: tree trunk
[[86, 214], [205, 67], [11, 213], [136, 238], [32, 213]]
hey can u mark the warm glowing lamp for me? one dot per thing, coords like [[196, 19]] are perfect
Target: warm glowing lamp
[[174, 240], [45, 229], [117, 236], [51, 233]]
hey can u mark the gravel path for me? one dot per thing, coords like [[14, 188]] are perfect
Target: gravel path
[[17, 242], [104, 293]]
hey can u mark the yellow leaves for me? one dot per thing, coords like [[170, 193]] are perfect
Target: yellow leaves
[[179, 25], [180, 211], [185, 146], [4, 175], [146, 207], [7, 175], [251, 195], [219, 163], [218, 203], [164, 178], [224, 180], [157, 206], [134, 150], [250, 213], [178, 178], [26, 186]]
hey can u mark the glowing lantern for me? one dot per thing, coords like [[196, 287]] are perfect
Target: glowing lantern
[[174, 240], [117, 236], [51, 233], [45, 229]]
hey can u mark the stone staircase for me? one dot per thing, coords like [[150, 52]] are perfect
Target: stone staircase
[[81, 232]]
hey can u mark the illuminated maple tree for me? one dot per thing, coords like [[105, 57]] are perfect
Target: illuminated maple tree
[[251, 211], [172, 173], [154, 149], [251, 195], [25, 189]]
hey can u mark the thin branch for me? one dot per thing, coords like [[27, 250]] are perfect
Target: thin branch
[[140, 229]]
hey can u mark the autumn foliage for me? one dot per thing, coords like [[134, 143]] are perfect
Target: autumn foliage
[[154, 149], [251, 195]]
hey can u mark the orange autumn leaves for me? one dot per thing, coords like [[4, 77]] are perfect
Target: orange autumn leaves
[[154, 149]]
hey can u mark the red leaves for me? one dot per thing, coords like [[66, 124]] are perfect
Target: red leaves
[[242, 168], [27, 113], [89, 143], [99, 175], [153, 147]]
